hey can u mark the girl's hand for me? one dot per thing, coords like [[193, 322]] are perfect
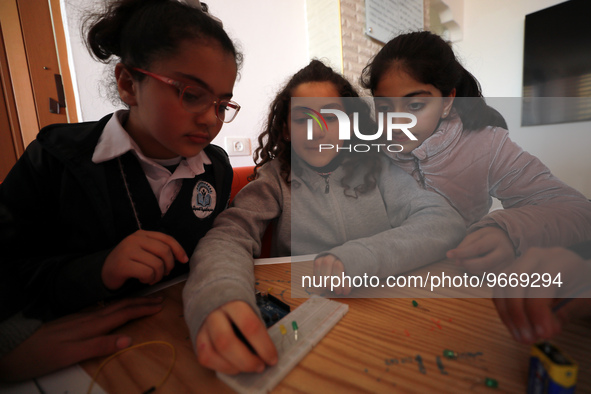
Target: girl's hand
[[528, 319], [75, 338], [527, 311], [531, 320], [488, 248], [219, 348], [330, 265], [145, 255]]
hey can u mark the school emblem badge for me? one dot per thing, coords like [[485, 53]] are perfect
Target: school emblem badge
[[204, 199]]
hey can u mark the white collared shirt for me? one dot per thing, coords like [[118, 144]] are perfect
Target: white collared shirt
[[115, 142]]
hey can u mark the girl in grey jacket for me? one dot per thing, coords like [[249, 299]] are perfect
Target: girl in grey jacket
[[359, 214]]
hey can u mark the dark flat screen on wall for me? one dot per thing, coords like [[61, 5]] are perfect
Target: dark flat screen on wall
[[557, 63]]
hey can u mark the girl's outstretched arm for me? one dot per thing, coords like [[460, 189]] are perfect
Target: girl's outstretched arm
[[540, 210], [220, 289], [423, 227]]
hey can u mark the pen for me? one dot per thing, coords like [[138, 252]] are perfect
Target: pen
[[242, 338]]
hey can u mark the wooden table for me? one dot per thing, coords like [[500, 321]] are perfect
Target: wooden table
[[381, 345]]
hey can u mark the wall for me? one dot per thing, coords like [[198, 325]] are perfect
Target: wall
[[492, 49], [271, 34], [323, 25], [358, 47], [89, 76]]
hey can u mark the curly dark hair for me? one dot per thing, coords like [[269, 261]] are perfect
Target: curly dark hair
[[273, 145]]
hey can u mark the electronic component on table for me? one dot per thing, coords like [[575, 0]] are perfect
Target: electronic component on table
[[315, 318], [272, 309], [450, 354], [492, 383], [550, 371], [294, 325]]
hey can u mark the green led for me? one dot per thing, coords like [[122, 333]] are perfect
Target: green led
[[294, 325], [414, 303], [492, 383], [449, 354]]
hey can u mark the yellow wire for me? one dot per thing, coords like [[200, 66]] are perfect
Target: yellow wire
[[135, 347]]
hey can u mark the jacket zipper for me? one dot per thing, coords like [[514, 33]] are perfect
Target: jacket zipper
[[325, 175], [419, 171]]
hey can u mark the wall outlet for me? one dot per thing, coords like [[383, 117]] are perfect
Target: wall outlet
[[237, 146]]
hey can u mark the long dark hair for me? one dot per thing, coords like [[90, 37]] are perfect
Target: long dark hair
[[429, 59], [273, 145], [137, 32]]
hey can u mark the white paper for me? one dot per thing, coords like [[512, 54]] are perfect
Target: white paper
[[385, 19]]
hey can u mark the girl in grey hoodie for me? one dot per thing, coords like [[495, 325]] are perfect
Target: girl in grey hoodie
[[358, 213]]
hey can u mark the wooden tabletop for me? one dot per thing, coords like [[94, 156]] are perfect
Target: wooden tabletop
[[381, 345]]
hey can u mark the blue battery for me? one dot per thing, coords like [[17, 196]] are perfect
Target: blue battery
[[550, 371]]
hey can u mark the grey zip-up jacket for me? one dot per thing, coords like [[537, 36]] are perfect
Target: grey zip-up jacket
[[393, 228]]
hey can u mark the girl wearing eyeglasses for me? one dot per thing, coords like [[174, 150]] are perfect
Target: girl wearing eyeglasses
[[101, 209]]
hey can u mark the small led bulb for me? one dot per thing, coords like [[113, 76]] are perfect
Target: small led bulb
[[294, 325], [450, 354], [492, 383]]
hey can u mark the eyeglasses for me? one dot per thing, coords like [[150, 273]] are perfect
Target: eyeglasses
[[197, 100]]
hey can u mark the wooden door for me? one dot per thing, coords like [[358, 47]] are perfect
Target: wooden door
[[11, 143], [42, 61], [32, 34]]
